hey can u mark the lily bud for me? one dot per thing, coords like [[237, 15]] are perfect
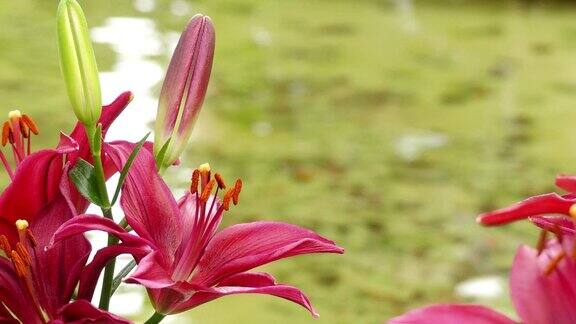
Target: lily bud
[[184, 89], [78, 63]]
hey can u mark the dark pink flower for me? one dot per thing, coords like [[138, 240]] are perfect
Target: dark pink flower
[[36, 177], [536, 206], [189, 262], [37, 283], [540, 287]]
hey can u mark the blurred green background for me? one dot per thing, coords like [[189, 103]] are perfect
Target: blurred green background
[[386, 126]]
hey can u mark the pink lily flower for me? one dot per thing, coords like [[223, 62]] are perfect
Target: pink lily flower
[[536, 206], [36, 176], [37, 284], [540, 288], [189, 263]]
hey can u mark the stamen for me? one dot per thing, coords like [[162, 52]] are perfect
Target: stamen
[[220, 181], [541, 241], [31, 239], [554, 263], [237, 189], [195, 181], [207, 190], [227, 199], [23, 253], [5, 133], [31, 124], [5, 245], [19, 266]]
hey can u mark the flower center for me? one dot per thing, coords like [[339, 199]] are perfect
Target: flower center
[[23, 263], [17, 132], [207, 215]]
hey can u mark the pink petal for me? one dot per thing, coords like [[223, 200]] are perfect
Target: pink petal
[[541, 298], [84, 223], [566, 182], [534, 206], [34, 186], [150, 273], [452, 314], [560, 225], [82, 311], [12, 295], [62, 263], [243, 247], [109, 114], [242, 283], [149, 206], [92, 271]]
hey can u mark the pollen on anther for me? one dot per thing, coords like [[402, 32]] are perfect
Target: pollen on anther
[[5, 133], [23, 253], [19, 265], [237, 189], [195, 181], [220, 181], [572, 211], [227, 199], [5, 245], [207, 190], [31, 124]]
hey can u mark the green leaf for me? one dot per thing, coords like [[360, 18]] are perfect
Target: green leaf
[[123, 273], [126, 167], [84, 178], [161, 156]]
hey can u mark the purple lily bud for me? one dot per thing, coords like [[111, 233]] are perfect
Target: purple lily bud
[[184, 90]]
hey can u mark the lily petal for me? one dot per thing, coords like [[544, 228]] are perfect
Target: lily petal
[[81, 311], [566, 182], [12, 296], [453, 314], [149, 205], [560, 225], [84, 223], [242, 247], [62, 263], [246, 283], [534, 206], [541, 298], [34, 186], [150, 274], [92, 271]]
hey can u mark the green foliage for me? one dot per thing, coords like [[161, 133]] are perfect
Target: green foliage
[[84, 178]]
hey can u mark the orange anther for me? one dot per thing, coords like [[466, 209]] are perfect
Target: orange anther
[[5, 245], [207, 190], [195, 181], [19, 265], [23, 253], [227, 199], [220, 181], [31, 124], [237, 189], [5, 133]]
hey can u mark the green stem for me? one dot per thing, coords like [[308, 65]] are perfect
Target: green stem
[[95, 140], [155, 318]]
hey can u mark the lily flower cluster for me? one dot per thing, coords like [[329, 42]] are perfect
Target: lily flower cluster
[[542, 286], [180, 255]]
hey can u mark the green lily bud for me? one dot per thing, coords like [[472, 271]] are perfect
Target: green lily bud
[[78, 63]]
